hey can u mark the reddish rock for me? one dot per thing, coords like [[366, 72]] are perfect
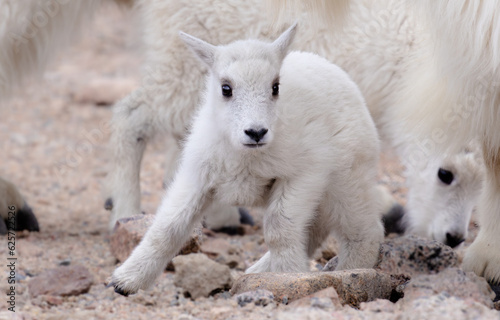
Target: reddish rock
[[128, 232], [62, 281]]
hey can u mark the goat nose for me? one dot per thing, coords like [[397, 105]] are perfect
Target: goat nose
[[256, 135], [454, 239]]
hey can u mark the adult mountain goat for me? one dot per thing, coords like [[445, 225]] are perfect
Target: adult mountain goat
[[451, 95], [290, 133]]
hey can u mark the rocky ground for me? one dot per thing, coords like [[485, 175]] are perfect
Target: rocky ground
[[53, 138]]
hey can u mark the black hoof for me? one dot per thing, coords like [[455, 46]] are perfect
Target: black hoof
[[108, 204], [118, 289], [496, 288], [26, 220], [393, 220], [245, 217]]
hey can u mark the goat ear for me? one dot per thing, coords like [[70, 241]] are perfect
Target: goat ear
[[204, 50], [283, 42]]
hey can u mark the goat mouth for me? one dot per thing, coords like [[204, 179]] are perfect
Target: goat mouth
[[254, 145]]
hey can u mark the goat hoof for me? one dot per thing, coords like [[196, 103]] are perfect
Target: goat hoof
[[245, 217], [121, 291], [26, 220], [108, 205], [393, 220], [118, 289]]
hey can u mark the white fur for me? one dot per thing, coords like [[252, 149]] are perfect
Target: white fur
[[314, 170], [452, 96], [380, 43], [375, 48]]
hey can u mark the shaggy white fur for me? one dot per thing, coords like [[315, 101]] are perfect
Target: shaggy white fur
[[293, 136]]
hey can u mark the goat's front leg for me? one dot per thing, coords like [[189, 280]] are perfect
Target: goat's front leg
[[483, 255], [175, 220], [292, 208]]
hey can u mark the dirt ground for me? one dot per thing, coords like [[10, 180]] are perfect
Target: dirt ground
[[53, 138]]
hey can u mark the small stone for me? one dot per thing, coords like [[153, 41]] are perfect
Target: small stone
[[455, 282], [61, 281], [65, 262], [199, 276], [352, 286], [128, 232], [258, 297], [221, 251]]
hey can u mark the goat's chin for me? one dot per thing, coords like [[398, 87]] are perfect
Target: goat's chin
[[255, 145]]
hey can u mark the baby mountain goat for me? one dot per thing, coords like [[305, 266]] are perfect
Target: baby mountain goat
[[290, 133]]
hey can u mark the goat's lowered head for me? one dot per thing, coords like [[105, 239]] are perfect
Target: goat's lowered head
[[243, 86]]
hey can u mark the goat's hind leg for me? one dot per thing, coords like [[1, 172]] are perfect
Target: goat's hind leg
[[358, 227], [291, 210], [132, 126]]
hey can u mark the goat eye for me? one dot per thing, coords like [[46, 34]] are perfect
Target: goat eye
[[445, 176], [276, 89], [226, 90]]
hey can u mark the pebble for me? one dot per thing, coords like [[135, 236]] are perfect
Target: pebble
[[61, 281], [199, 276]]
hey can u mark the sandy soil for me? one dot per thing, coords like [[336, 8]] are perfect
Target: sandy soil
[[53, 146]]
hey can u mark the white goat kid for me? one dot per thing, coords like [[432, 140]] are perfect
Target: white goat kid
[[290, 134], [375, 48]]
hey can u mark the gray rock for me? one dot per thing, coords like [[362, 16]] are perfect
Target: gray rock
[[352, 286], [444, 306], [411, 255], [199, 276], [257, 297], [128, 232], [454, 282], [61, 281], [414, 255]]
